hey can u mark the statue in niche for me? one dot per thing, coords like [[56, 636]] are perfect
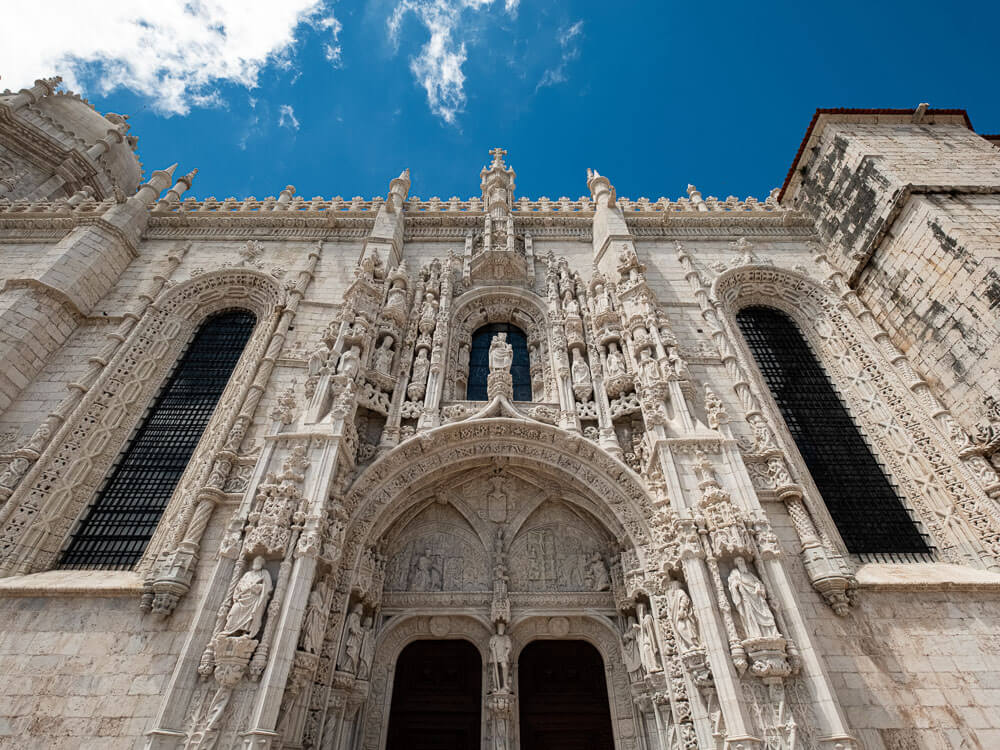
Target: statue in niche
[[315, 620], [615, 361], [428, 315], [648, 367], [318, 359], [367, 649], [682, 617], [649, 642], [354, 635], [580, 369], [597, 573], [397, 295], [383, 355], [350, 362], [463, 358], [420, 367], [602, 303], [499, 659], [424, 574], [569, 304], [750, 599], [678, 365], [631, 650], [501, 354], [249, 601]]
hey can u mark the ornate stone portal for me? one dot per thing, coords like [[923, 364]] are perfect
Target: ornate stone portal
[[348, 499]]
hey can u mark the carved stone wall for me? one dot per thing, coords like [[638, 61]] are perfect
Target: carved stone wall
[[346, 499]]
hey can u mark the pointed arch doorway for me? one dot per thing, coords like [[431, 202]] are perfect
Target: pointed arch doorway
[[436, 697], [563, 697]]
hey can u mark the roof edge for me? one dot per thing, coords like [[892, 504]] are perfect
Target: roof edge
[[855, 112]]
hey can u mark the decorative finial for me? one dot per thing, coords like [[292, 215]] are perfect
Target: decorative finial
[[498, 154]]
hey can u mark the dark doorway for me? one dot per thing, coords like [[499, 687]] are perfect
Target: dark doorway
[[436, 697], [563, 697]]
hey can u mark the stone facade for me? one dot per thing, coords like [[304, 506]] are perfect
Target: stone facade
[[347, 499]]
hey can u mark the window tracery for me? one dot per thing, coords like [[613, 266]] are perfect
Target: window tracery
[[863, 504], [123, 517]]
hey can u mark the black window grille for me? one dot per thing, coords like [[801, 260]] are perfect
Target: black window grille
[[864, 505], [118, 525], [479, 361]]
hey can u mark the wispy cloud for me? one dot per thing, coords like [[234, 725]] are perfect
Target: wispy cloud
[[438, 66], [286, 117], [332, 49], [172, 51], [568, 38]]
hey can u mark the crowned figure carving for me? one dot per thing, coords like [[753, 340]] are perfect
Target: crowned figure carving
[[501, 357]]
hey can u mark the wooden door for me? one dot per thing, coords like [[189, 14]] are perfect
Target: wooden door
[[563, 697], [436, 697]]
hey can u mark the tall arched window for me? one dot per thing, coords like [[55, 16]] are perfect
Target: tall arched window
[[864, 506], [118, 525], [479, 361]]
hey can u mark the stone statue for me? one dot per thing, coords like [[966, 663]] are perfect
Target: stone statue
[[580, 370], [750, 600], [615, 361], [350, 362], [597, 573], [383, 355], [318, 359], [630, 650], [569, 303], [249, 601], [397, 295], [682, 617], [314, 622], [499, 659], [679, 366], [420, 367], [367, 649], [354, 635], [649, 644], [648, 367], [601, 302], [501, 354], [424, 574]]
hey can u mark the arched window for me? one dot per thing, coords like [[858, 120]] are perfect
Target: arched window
[[479, 361], [117, 527], [864, 506]]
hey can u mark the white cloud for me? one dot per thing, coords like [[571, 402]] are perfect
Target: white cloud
[[332, 50], [172, 51], [286, 117], [438, 66], [567, 38]]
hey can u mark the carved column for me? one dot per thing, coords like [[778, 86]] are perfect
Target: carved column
[[260, 733], [431, 416]]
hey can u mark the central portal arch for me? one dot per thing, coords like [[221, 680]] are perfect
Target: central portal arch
[[490, 521]]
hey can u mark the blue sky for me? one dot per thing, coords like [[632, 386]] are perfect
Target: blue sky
[[337, 97]]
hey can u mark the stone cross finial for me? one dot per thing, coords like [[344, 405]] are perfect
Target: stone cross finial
[[498, 154]]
